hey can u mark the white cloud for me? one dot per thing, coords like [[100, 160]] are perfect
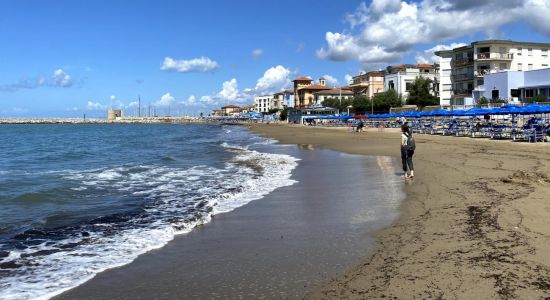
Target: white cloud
[[428, 56], [202, 64], [113, 97], [95, 106], [207, 100], [61, 79], [58, 79], [348, 78], [191, 100], [273, 80], [331, 81], [387, 30], [166, 100], [256, 53], [133, 104], [230, 90]]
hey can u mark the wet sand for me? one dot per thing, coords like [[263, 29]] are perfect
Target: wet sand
[[475, 223], [278, 247]]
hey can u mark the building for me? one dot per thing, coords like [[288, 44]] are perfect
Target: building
[[342, 93], [463, 69], [402, 76], [113, 114], [283, 99], [368, 84], [304, 91], [517, 86], [263, 104], [231, 110]]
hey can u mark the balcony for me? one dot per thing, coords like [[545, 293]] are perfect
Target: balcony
[[482, 72], [463, 61], [494, 56], [462, 92], [460, 77]]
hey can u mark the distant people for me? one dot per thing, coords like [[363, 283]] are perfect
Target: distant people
[[360, 126], [408, 146]]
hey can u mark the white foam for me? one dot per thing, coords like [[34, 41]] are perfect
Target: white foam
[[223, 189]]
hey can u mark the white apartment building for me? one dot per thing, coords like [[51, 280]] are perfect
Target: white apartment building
[[400, 77], [263, 103], [469, 64]]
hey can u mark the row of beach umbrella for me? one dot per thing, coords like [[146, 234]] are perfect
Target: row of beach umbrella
[[531, 109]]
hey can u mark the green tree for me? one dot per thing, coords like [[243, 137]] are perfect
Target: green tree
[[536, 98], [361, 104], [341, 105], [382, 102], [272, 111], [284, 114], [419, 93], [482, 101]]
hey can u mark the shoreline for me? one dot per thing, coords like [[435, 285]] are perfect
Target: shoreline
[[278, 247], [475, 223]]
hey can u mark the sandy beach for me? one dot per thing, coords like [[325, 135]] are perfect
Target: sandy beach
[[475, 223]]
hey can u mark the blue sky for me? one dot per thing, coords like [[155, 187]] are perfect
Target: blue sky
[[67, 58]]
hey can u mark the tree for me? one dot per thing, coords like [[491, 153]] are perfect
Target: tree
[[341, 105], [382, 102], [284, 114], [272, 111], [419, 93], [361, 104], [536, 98]]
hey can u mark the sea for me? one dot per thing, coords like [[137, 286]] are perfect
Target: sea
[[77, 199]]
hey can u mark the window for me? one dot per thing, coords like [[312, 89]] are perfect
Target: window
[[529, 93], [391, 85], [502, 66], [530, 51], [514, 93], [530, 67], [519, 51], [544, 65], [494, 94], [544, 52], [520, 67], [408, 86]]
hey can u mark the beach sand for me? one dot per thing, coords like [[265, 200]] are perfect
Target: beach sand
[[277, 247], [475, 223]]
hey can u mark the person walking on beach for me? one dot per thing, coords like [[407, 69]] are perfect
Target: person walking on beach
[[408, 146]]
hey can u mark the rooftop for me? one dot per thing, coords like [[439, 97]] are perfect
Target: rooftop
[[230, 106], [315, 87], [335, 92], [303, 79]]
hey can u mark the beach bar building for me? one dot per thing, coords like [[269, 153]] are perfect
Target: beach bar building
[[368, 84], [517, 86]]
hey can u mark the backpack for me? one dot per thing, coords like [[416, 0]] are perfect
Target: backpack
[[411, 144]]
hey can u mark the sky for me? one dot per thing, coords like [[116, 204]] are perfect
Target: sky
[[69, 58]]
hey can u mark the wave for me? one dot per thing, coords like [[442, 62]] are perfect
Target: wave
[[39, 264]]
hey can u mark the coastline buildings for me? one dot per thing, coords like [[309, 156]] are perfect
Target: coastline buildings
[[368, 84], [263, 104], [341, 93], [516, 86], [402, 76], [463, 69], [304, 90], [113, 114]]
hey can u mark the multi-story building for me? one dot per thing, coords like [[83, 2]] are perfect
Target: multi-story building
[[463, 69], [342, 93], [401, 77], [263, 103], [283, 99], [368, 84], [304, 90], [231, 110]]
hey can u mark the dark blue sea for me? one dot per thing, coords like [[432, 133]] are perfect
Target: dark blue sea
[[78, 199]]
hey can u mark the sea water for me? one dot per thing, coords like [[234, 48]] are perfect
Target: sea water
[[78, 199]]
